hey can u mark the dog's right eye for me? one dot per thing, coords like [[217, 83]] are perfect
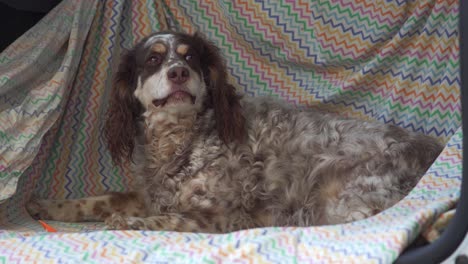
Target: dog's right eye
[[153, 60]]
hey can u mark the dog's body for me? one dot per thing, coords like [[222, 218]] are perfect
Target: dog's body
[[207, 161]]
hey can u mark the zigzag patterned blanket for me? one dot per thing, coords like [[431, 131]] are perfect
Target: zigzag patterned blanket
[[393, 61]]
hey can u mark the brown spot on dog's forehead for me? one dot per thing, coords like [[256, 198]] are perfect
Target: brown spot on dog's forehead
[[182, 49], [159, 48]]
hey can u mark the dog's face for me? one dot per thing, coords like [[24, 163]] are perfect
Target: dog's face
[[173, 70], [169, 72]]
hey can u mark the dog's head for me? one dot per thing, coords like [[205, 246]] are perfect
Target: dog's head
[[174, 70]]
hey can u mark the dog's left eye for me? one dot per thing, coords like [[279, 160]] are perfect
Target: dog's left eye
[[188, 57]]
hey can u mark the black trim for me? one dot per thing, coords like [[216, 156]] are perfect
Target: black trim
[[33, 6], [14, 22], [457, 229]]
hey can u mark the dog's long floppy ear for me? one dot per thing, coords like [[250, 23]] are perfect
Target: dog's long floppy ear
[[121, 121], [226, 103]]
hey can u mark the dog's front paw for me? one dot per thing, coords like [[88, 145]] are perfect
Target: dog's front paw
[[119, 222], [38, 209]]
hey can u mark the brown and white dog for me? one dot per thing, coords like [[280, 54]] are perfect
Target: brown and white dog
[[206, 160]]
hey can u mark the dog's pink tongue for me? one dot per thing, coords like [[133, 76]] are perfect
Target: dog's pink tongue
[[179, 97]]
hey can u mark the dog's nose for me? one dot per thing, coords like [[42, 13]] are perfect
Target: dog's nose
[[178, 74]]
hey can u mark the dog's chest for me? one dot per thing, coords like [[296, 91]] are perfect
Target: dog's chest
[[185, 193], [198, 192]]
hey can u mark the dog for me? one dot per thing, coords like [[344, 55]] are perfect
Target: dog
[[206, 159]]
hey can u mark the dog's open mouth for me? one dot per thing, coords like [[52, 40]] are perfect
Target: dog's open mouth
[[175, 98]]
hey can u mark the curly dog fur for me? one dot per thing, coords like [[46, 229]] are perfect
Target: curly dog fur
[[207, 160]]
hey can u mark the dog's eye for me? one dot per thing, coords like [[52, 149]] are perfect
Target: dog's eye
[[188, 57], [154, 60]]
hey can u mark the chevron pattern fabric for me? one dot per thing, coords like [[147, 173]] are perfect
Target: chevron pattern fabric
[[392, 61]]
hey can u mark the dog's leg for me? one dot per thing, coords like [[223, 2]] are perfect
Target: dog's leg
[[361, 199], [96, 208], [167, 222]]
